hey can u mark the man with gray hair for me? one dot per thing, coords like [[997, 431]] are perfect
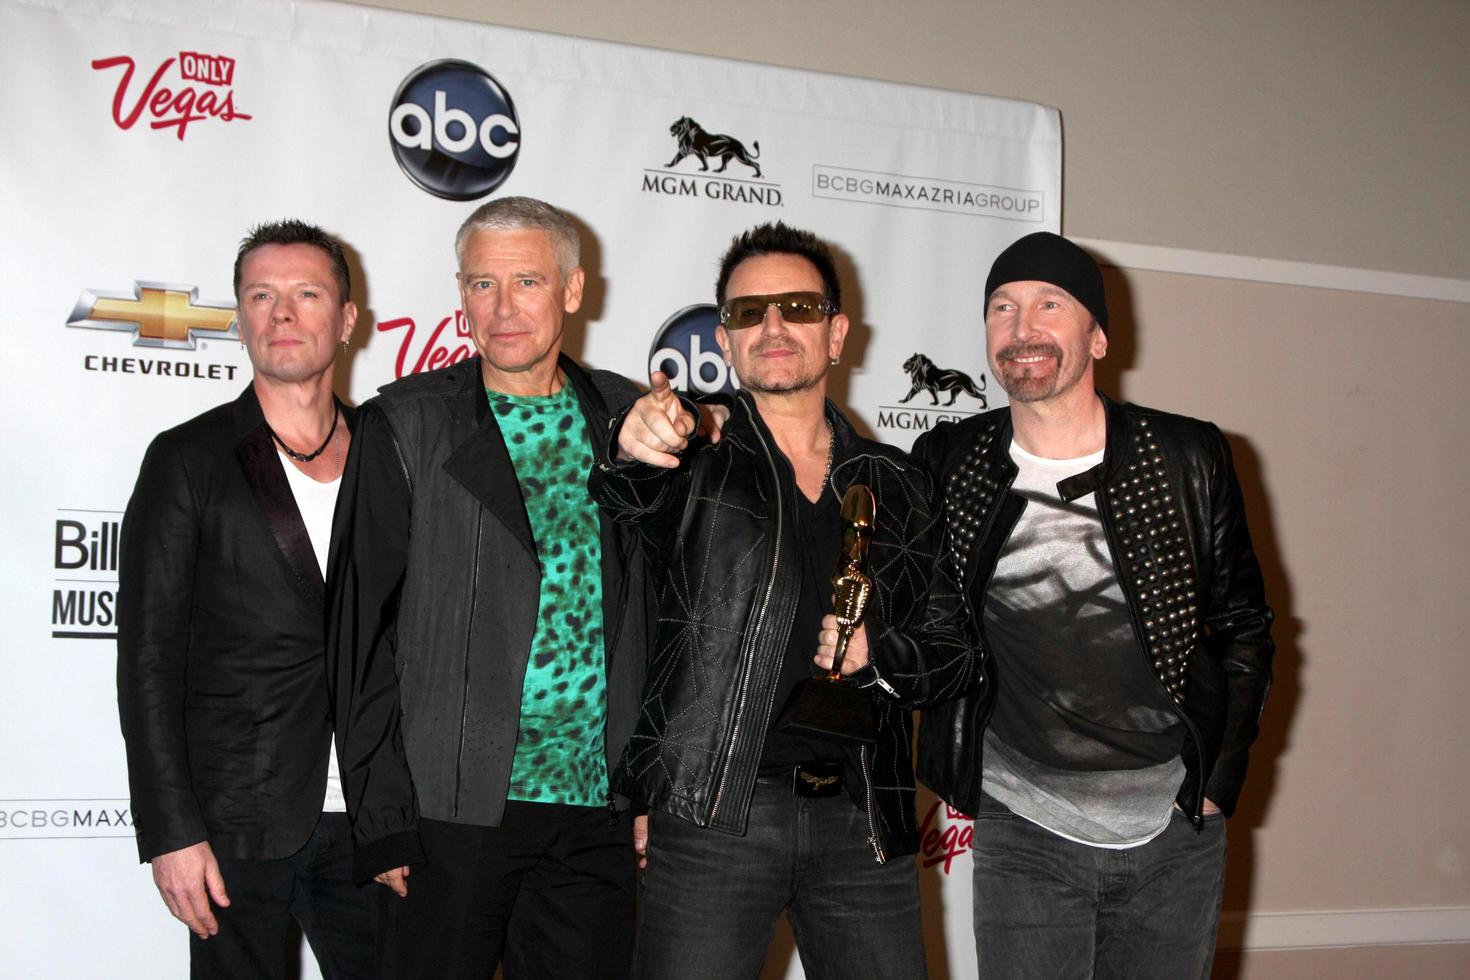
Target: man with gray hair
[[487, 635]]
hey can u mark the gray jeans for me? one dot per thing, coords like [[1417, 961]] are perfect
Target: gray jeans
[[710, 900], [1049, 908]]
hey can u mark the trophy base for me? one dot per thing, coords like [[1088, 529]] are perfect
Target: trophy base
[[830, 710]]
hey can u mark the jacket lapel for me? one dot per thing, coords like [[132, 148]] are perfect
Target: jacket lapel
[[256, 452], [1113, 449], [481, 463]]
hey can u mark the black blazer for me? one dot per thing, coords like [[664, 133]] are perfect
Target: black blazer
[[221, 680], [435, 591]]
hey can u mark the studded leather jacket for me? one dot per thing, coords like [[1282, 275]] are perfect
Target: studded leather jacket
[[1172, 513], [718, 532]]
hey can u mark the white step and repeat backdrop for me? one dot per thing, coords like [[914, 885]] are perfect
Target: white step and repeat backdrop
[[142, 140]]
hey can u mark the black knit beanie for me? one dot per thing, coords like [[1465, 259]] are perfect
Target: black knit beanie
[[1045, 257]]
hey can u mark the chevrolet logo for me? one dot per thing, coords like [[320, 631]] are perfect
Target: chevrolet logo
[[157, 315]]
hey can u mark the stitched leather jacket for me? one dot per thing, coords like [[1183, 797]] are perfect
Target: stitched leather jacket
[[716, 530], [1171, 510]]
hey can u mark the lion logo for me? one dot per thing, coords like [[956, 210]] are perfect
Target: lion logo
[[926, 377], [694, 141]]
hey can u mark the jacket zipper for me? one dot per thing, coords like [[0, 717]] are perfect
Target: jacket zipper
[[464, 711], [755, 631], [979, 615], [874, 841]]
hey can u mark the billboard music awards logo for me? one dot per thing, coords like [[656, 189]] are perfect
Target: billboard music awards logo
[[454, 130], [927, 377], [433, 349], [199, 90], [84, 555], [158, 315], [693, 142], [685, 349]]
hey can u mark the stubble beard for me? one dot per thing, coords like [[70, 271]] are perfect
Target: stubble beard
[[795, 385]]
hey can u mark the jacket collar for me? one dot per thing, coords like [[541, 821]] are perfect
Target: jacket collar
[[265, 475], [1088, 481], [1099, 476], [480, 461], [844, 437]]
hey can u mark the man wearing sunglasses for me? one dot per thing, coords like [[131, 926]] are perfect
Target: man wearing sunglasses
[[748, 818]]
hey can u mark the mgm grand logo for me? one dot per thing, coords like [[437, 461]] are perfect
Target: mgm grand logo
[[927, 377], [692, 140]]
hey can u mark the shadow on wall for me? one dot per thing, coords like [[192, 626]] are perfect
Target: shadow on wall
[[781, 956], [1122, 337], [362, 333], [1255, 798], [859, 333], [1276, 721], [594, 298]]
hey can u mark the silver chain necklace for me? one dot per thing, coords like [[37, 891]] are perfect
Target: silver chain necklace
[[827, 470]]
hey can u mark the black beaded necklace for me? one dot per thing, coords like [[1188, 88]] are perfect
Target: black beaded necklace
[[307, 457]]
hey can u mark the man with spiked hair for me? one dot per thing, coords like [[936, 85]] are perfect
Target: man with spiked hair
[[221, 679], [488, 635], [752, 817]]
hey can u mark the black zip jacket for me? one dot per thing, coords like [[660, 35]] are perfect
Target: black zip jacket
[[716, 530], [434, 594], [1171, 509]]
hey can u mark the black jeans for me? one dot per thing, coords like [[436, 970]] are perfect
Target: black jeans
[[710, 900], [1047, 907], [314, 886], [549, 893]]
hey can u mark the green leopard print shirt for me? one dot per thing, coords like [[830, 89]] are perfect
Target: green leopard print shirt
[[560, 755]]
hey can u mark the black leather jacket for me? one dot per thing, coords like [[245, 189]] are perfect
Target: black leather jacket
[[1171, 509], [728, 579]]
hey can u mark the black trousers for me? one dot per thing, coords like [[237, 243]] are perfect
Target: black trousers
[[314, 886], [547, 894]]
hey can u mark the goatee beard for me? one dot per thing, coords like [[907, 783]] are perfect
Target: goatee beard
[[1021, 386]]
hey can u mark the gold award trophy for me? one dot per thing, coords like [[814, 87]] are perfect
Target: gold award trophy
[[825, 706]]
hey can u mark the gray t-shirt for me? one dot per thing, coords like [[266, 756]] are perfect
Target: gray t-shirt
[[1083, 740]]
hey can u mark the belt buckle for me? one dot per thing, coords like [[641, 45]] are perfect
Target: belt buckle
[[817, 779]]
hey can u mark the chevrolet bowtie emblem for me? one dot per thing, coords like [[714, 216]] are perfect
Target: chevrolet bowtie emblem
[[157, 315], [817, 782]]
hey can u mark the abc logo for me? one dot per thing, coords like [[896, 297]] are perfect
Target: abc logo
[[454, 130], [686, 350]]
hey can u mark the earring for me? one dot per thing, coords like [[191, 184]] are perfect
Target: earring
[[344, 346], [834, 360]]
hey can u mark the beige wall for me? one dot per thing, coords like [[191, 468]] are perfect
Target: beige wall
[[1324, 132]]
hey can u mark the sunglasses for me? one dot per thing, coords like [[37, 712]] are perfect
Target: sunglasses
[[747, 311]]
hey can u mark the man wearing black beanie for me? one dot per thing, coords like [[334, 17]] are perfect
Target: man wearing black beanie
[[1109, 570]]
